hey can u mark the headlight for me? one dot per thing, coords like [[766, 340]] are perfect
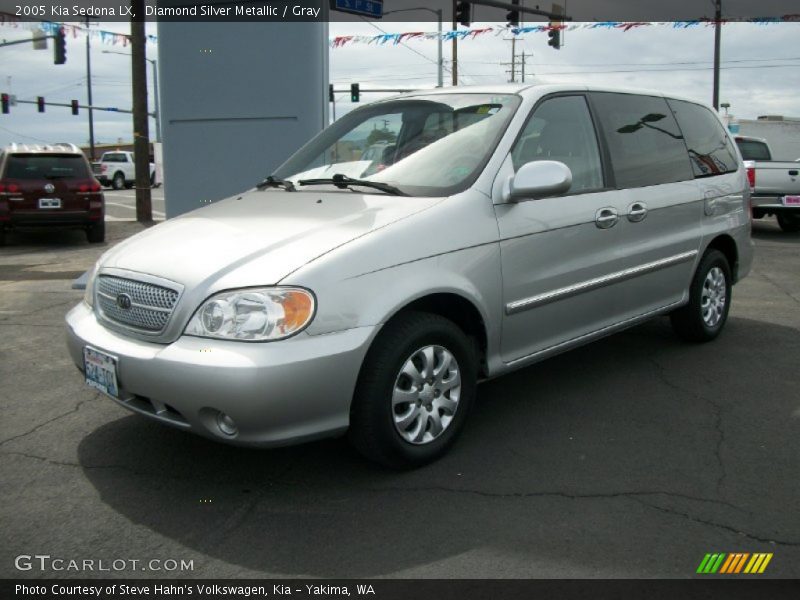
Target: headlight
[[88, 294], [255, 314]]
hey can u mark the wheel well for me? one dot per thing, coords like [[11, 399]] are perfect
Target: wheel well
[[460, 311], [726, 245]]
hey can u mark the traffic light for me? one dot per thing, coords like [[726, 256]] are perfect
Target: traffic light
[[5, 100], [554, 36], [74, 104], [330, 93], [355, 92], [60, 47], [463, 10], [40, 103], [512, 16]]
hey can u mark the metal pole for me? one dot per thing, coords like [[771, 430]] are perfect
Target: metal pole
[[89, 90], [155, 92], [717, 45], [455, 47], [440, 61], [523, 67]]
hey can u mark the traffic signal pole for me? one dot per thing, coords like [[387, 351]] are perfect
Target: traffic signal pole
[[89, 91]]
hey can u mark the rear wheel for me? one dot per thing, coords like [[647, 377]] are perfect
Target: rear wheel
[[704, 316], [789, 222], [96, 234], [415, 389], [118, 181]]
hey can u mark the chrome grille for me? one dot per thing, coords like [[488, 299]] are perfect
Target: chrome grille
[[151, 305]]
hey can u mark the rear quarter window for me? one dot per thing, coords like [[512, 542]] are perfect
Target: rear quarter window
[[710, 149], [646, 146]]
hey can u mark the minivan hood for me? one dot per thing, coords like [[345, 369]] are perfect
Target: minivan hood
[[259, 237]]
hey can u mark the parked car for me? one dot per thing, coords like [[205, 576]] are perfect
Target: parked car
[[775, 185], [118, 170], [537, 219], [49, 186]]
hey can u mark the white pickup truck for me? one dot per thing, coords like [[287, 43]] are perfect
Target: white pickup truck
[[775, 185], [117, 170]]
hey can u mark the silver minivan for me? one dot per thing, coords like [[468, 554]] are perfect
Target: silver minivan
[[369, 292]]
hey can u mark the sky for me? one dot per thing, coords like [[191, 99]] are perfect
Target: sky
[[760, 75]]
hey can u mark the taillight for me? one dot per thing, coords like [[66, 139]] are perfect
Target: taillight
[[8, 188], [86, 187], [751, 174]]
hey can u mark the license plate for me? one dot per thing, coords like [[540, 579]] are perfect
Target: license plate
[[791, 200], [49, 202], [101, 371]]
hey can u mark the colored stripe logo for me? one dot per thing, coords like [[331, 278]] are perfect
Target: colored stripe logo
[[734, 563]]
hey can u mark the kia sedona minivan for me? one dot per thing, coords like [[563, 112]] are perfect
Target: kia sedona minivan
[[367, 293]]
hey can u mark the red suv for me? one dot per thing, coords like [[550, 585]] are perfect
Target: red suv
[[50, 186]]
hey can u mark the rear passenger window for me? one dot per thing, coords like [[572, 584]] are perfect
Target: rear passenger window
[[561, 129], [710, 149], [644, 141]]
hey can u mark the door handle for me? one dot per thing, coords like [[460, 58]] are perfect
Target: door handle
[[793, 173], [606, 218], [637, 212]]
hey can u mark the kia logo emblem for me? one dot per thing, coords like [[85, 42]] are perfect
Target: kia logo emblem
[[49, 188], [124, 301]]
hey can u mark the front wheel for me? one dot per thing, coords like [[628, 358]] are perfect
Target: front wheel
[[790, 223], [415, 389], [704, 316]]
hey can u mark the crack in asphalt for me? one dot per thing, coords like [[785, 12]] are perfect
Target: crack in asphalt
[[75, 409], [239, 517], [780, 288], [717, 413], [718, 525]]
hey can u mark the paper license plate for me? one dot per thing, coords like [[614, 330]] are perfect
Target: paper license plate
[[49, 202], [101, 371], [791, 200]]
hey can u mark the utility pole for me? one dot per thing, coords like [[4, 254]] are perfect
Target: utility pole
[[717, 45], [513, 59], [89, 90], [141, 136], [522, 60]]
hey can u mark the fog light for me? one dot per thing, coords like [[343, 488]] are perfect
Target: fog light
[[226, 424]]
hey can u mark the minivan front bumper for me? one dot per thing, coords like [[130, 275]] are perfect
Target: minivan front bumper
[[276, 393]]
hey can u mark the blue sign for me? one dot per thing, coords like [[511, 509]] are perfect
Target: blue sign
[[367, 8]]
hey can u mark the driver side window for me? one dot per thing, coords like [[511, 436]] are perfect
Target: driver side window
[[561, 129]]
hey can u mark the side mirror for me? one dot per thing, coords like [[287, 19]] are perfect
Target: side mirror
[[538, 179]]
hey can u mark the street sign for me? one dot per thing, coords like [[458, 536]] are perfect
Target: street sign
[[367, 8]]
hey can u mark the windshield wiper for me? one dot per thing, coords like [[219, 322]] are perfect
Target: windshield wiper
[[272, 181], [343, 181]]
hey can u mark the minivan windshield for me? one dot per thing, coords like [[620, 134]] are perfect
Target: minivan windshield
[[432, 145]]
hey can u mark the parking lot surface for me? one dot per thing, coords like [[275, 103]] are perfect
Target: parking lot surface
[[631, 457]]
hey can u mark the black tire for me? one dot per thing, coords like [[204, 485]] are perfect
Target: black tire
[[688, 321], [118, 181], [2, 237], [372, 427], [790, 223], [96, 234]]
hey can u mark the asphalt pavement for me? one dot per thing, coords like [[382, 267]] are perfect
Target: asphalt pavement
[[121, 205], [631, 457]]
